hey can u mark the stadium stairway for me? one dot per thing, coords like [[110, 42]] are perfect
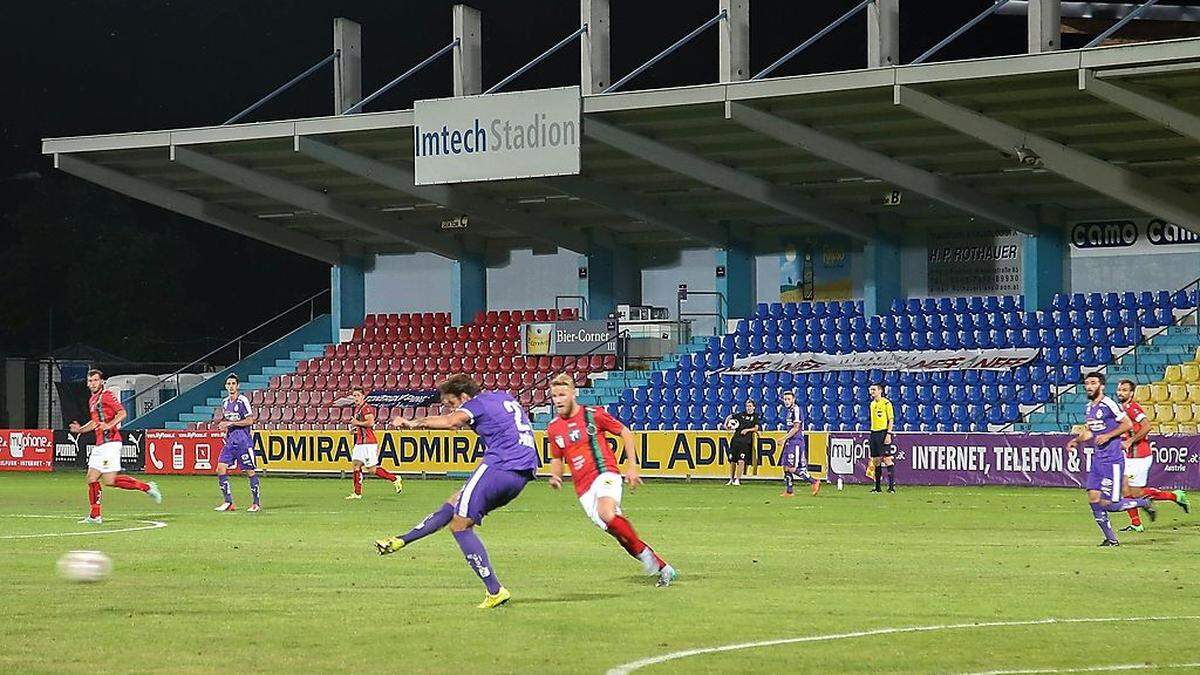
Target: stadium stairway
[[607, 387], [255, 371], [1163, 369]]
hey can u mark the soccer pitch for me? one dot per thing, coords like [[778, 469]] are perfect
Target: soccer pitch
[[299, 587]]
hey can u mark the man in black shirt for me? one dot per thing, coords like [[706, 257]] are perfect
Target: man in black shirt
[[743, 425]]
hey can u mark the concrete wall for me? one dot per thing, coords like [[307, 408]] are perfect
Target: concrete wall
[[409, 283], [531, 281]]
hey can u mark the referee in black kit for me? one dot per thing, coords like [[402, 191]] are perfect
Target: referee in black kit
[[743, 425]]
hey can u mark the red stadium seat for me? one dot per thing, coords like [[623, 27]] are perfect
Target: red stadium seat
[[274, 384], [581, 378], [330, 350], [321, 382], [402, 381], [480, 316], [343, 383], [541, 315], [527, 316], [610, 362], [502, 380], [552, 315], [292, 398], [393, 319], [322, 415], [369, 320], [302, 367], [386, 350]]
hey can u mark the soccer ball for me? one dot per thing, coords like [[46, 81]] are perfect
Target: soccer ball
[[731, 424], [84, 566]]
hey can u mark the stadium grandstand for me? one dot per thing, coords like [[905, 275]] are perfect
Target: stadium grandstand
[[962, 205]]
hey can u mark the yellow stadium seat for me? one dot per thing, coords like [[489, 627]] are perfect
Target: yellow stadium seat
[[1178, 392], [1184, 413], [1190, 371], [1173, 374], [1142, 393], [1168, 429], [1189, 429], [1193, 391], [1164, 413], [1159, 393]]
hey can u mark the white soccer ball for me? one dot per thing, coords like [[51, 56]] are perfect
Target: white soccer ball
[[84, 566], [731, 424]]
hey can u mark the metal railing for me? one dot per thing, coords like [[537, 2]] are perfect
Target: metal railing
[[238, 341], [721, 314], [723, 15], [357, 107], [581, 309], [961, 29], [812, 40], [541, 384], [537, 59], [1141, 9], [287, 85]]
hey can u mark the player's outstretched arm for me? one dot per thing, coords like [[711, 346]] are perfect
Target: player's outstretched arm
[[77, 428], [633, 470], [1082, 435], [556, 473], [455, 420]]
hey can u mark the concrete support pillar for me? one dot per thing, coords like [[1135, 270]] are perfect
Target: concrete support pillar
[[1045, 26], [737, 280], [611, 280], [883, 33], [468, 289], [734, 41], [881, 276], [468, 55], [347, 295], [1042, 259], [594, 62], [347, 67]]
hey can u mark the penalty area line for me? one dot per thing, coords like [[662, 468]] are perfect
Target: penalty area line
[[1088, 669], [145, 525], [630, 667]]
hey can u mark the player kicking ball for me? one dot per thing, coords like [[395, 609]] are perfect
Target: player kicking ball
[[1105, 423], [576, 436], [104, 464], [509, 462], [237, 418], [366, 446]]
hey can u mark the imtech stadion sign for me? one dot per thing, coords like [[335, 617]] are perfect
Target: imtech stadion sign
[[525, 134]]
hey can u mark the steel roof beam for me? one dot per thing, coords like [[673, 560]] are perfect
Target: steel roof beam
[[1149, 108], [639, 208], [193, 207], [731, 180], [468, 201], [879, 165], [1135, 190], [311, 200]]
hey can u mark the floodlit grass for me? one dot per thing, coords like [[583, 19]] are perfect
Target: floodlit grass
[[299, 587]]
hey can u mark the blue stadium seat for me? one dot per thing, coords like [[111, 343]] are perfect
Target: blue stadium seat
[[776, 311], [761, 311], [791, 310]]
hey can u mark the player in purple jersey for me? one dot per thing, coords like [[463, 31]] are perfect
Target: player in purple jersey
[[236, 419], [1105, 423], [509, 462], [793, 458]]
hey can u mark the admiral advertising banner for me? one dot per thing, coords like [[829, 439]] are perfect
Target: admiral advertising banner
[[662, 453], [527, 134], [26, 450], [1038, 460], [912, 361]]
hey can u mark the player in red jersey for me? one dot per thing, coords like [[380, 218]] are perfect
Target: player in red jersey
[[575, 435], [1139, 457], [104, 463], [366, 446]]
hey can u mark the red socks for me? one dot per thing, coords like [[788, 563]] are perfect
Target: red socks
[[358, 481], [1159, 495], [94, 499], [622, 531], [385, 474], [130, 483], [1134, 517]]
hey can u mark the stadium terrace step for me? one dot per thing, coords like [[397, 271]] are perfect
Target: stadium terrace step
[[271, 371], [195, 417], [177, 426]]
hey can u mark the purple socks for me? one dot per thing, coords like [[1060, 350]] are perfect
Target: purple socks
[[1101, 516], [477, 558], [223, 481], [254, 487], [1128, 503], [432, 523]]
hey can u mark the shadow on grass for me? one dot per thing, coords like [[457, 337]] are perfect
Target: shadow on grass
[[568, 597]]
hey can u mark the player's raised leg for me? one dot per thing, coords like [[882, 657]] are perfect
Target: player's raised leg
[[429, 525]]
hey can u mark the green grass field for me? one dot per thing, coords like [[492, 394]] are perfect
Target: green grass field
[[299, 587]]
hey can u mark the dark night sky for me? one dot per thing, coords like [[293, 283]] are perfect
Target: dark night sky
[[148, 285]]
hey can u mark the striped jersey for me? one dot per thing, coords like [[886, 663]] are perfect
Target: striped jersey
[[104, 407], [364, 435], [584, 448]]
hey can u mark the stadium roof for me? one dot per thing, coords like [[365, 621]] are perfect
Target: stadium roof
[[1105, 133]]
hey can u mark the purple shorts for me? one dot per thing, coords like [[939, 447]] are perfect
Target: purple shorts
[[792, 455], [1106, 476], [488, 489], [239, 452]]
